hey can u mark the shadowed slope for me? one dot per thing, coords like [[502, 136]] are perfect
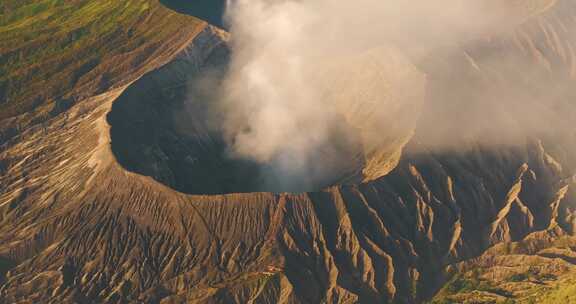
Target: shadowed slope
[[210, 10]]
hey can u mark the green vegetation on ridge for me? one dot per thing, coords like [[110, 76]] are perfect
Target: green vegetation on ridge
[[50, 49]]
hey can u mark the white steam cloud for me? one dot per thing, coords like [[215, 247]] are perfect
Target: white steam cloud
[[289, 55], [314, 84]]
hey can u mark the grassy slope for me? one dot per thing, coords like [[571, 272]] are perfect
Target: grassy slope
[[510, 277], [551, 290], [52, 51]]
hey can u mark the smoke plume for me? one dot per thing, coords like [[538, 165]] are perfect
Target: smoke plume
[[316, 88]]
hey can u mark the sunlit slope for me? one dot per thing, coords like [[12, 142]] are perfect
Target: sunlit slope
[[53, 52]]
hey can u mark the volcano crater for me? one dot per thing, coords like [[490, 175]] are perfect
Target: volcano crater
[[164, 126]]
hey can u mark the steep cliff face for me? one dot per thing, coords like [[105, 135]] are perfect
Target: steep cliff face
[[79, 224]]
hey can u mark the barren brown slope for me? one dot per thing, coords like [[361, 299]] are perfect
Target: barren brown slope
[[76, 226]]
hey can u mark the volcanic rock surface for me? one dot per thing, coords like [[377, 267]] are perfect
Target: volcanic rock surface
[[93, 206]]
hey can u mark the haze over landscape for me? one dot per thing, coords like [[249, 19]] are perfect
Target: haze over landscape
[[276, 103], [283, 151]]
